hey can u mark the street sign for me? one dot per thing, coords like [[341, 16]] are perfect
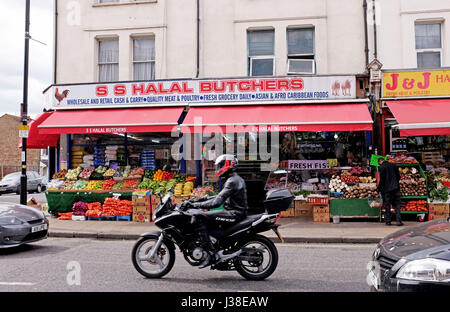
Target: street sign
[[23, 131]]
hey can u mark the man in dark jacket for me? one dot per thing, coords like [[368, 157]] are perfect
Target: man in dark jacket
[[389, 187], [233, 197]]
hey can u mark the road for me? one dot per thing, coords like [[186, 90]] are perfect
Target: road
[[13, 198], [103, 265]]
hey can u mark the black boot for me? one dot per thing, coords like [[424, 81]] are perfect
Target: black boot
[[209, 259]]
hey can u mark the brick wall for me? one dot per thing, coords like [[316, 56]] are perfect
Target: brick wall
[[10, 153]]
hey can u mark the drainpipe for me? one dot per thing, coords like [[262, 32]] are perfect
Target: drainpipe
[[53, 152], [366, 43], [198, 39], [55, 42], [375, 53]]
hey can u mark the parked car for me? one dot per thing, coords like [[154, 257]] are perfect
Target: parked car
[[21, 224], [44, 180], [11, 183], [416, 258]]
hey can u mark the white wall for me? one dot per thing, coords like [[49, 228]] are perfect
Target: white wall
[[339, 35], [396, 35]]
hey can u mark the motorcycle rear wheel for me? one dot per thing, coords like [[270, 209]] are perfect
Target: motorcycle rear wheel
[[163, 260], [266, 264]]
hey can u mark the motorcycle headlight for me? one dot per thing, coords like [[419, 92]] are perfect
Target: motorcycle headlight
[[10, 221], [431, 270]]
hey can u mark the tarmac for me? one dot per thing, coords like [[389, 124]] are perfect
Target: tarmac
[[293, 230]]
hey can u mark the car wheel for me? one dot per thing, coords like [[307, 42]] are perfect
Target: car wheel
[[18, 190], [39, 188]]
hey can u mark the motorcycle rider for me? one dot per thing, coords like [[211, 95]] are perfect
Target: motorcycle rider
[[233, 197]]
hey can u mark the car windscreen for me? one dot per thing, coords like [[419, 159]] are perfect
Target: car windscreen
[[11, 176]]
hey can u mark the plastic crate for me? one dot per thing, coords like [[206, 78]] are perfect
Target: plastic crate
[[315, 200]]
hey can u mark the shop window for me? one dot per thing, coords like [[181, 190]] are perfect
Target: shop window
[[144, 59], [261, 52], [108, 60], [428, 45], [300, 47]]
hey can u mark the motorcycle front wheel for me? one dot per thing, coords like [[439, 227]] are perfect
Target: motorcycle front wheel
[[258, 259], [158, 265]]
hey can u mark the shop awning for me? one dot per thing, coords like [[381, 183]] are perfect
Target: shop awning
[[101, 121], [36, 140], [421, 117], [278, 118]]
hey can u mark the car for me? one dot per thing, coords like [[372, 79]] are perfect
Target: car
[[416, 258], [11, 183], [21, 224], [44, 180]]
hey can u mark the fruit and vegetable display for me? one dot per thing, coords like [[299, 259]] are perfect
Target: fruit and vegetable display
[[101, 169], [412, 183], [94, 185], [54, 184], [109, 173], [80, 185], [72, 174], [349, 179], [94, 210], [203, 191], [67, 185], [367, 180], [414, 205], [65, 215], [437, 186], [61, 174], [136, 173], [79, 208], [96, 176], [115, 207], [118, 185], [361, 192], [161, 175], [402, 159], [85, 174], [108, 184], [130, 184], [337, 185]]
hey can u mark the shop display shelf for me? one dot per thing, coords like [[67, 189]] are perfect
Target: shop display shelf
[[414, 197], [417, 212], [126, 218]]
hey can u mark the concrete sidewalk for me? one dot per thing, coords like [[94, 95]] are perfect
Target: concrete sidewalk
[[293, 230]]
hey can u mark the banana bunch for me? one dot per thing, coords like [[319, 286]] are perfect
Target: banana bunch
[[179, 189], [188, 187], [367, 180]]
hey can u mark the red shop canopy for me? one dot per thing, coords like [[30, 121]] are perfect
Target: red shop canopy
[[278, 118], [38, 140], [422, 117], [100, 121]]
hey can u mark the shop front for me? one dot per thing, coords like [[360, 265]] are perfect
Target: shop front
[[415, 131], [121, 138]]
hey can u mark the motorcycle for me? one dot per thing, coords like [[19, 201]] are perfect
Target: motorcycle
[[242, 248]]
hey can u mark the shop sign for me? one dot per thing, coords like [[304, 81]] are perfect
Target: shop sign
[[416, 83], [182, 92], [307, 164]]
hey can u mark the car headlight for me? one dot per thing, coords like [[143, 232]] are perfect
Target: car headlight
[[432, 270], [10, 221]]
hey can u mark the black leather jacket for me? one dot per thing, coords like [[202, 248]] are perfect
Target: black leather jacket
[[389, 177], [233, 196]]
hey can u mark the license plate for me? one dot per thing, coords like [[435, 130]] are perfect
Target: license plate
[[373, 279], [38, 228], [2, 189]]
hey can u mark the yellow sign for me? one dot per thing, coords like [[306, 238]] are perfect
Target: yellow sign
[[416, 83], [332, 162], [24, 127]]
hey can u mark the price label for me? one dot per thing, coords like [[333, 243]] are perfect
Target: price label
[[332, 162]]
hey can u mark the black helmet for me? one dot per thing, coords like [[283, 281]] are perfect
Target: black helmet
[[225, 163]]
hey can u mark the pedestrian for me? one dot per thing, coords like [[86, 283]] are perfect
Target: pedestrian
[[389, 187]]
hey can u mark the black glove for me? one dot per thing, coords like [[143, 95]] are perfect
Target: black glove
[[187, 204], [200, 199]]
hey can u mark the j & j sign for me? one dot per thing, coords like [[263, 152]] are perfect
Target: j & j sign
[[168, 92]]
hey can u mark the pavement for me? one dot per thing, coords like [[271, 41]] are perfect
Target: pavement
[[293, 230]]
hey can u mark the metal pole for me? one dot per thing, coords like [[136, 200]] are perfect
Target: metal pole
[[23, 178]]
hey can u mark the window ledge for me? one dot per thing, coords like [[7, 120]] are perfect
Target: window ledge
[[100, 5]]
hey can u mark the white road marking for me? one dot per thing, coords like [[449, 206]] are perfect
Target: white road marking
[[16, 284]]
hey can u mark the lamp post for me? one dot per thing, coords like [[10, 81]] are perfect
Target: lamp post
[[24, 110]]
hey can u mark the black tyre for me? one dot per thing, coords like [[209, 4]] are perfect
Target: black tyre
[[39, 189], [265, 260], [162, 262], [18, 190]]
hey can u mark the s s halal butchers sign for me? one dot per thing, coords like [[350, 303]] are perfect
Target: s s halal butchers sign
[[167, 92]]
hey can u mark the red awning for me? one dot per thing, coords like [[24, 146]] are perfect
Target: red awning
[[35, 138], [422, 117], [100, 121], [278, 118]]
